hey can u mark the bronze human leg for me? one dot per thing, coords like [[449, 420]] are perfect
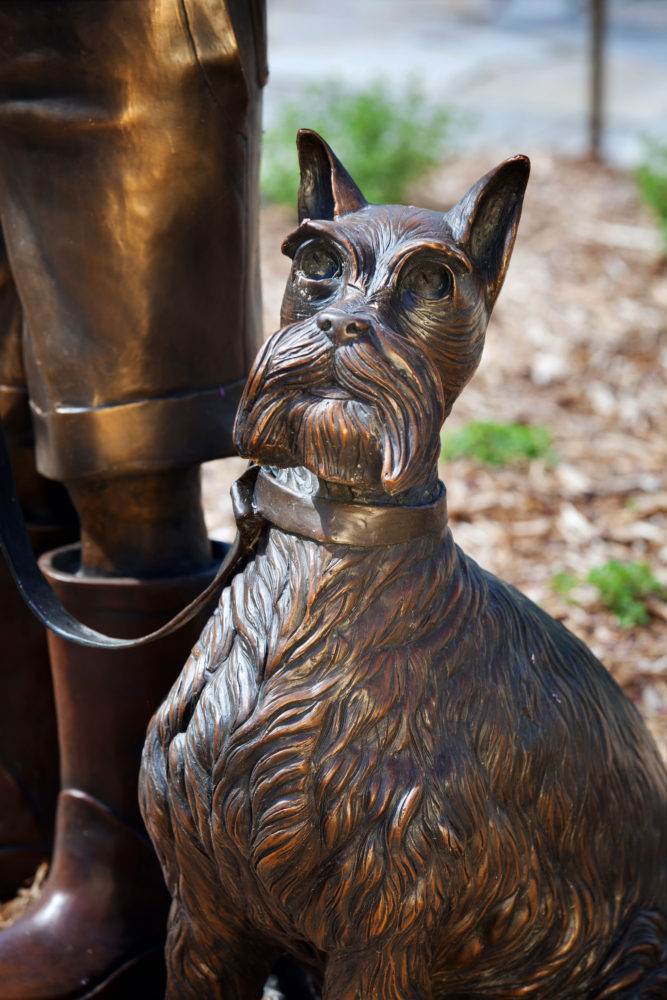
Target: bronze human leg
[[102, 913], [128, 157], [129, 139], [28, 740], [157, 525], [129, 202]]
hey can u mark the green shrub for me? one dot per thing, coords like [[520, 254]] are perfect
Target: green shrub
[[386, 138], [623, 588], [652, 182], [498, 444]]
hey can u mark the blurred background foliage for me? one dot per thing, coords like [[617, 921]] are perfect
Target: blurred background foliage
[[387, 136], [651, 177]]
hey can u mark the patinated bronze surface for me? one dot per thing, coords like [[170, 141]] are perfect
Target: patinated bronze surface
[[129, 148], [379, 758], [100, 920], [129, 316]]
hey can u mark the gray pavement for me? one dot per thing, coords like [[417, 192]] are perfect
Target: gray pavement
[[517, 70]]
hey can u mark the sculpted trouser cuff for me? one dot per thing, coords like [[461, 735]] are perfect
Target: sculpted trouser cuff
[[142, 436], [129, 145]]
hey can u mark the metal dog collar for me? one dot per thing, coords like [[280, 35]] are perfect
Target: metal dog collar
[[337, 522]]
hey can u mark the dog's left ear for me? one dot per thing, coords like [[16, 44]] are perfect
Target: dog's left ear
[[326, 190], [485, 220]]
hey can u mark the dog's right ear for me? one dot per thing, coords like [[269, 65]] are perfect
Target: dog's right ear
[[327, 190]]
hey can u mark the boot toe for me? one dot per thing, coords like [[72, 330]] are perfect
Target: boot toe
[[90, 930]]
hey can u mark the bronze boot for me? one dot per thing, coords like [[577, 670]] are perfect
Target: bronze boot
[[28, 737], [98, 927]]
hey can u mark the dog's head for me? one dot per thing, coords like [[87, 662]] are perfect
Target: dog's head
[[384, 318]]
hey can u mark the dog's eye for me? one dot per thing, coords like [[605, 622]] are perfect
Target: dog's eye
[[429, 280], [317, 261]]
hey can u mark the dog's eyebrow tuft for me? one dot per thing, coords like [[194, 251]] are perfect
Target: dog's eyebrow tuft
[[323, 228], [453, 253], [309, 227]]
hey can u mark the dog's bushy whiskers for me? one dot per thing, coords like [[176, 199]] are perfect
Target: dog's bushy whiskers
[[288, 361], [387, 434], [403, 386], [338, 434], [299, 360]]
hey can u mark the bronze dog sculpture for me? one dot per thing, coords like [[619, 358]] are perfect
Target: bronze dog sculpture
[[380, 759]]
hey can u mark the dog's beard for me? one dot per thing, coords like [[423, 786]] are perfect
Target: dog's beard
[[367, 413]]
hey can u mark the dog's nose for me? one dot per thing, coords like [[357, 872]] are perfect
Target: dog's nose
[[340, 327]]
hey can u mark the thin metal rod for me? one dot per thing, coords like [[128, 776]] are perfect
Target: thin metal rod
[[598, 18]]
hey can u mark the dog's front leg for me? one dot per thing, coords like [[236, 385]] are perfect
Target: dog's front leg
[[227, 963], [386, 972]]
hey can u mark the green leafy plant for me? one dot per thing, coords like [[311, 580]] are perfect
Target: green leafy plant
[[624, 587], [563, 582], [652, 182], [498, 444], [387, 138]]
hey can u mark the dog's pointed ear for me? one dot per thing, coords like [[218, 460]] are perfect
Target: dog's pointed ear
[[485, 220], [327, 190]]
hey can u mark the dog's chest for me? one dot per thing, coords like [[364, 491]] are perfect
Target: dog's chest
[[320, 705]]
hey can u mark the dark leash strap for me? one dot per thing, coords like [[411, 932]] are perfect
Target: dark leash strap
[[40, 597], [258, 500]]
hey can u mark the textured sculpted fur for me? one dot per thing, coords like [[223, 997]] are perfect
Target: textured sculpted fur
[[383, 761]]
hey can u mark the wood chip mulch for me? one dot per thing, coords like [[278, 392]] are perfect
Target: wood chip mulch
[[14, 909]]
